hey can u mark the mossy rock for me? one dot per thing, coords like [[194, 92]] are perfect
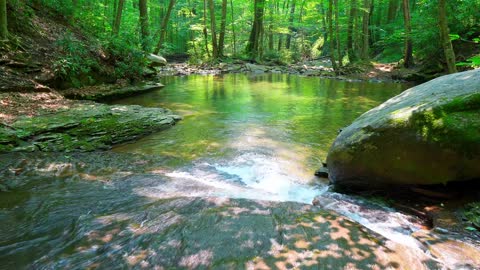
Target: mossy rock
[[87, 126], [429, 134]]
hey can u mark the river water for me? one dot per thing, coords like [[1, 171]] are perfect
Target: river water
[[229, 187]]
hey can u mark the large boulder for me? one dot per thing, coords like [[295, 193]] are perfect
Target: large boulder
[[156, 60], [429, 134]]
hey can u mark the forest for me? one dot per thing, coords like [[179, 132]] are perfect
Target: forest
[[436, 36], [240, 134]]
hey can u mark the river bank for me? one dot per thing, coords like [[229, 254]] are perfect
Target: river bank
[[47, 121], [368, 71]]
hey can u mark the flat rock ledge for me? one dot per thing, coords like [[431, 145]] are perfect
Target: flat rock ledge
[[86, 126], [109, 92]]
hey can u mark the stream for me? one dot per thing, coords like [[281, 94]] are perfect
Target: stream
[[229, 187]]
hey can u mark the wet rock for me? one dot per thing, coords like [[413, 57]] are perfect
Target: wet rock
[[429, 134], [256, 68], [322, 172], [156, 60], [110, 92], [455, 254], [87, 126]]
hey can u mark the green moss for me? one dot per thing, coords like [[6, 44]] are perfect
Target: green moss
[[463, 103], [86, 127]]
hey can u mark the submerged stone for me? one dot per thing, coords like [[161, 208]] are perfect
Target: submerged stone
[[429, 134]]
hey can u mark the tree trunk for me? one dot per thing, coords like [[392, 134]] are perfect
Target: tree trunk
[[365, 31], [290, 27], [205, 31], [3, 20], [337, 34], [233, 30], [445, 37], [253, 44], [270, 26], [164, 26], [408, 57], [213, 29], [392, 10], [223, 23], [118, 17], [114, 12], [331, 34], [351, 19], [145, 33]]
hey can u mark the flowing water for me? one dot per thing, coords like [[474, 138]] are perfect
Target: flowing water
[[230, 186]]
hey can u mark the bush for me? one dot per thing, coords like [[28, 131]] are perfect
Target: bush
[[128, 61], [75, 60]]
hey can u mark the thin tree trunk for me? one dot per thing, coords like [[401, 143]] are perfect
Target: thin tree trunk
[[351, 19], [145, 33], [371, 37], [114, 12], [118, 17], [392, 10], [445, 37], [290, 27], [213, 29], [233, 30], [3, 20], [205, 31], [408, 57], [270, 27], [164, 26], [223, 23], [337, 34], [365, 31], [331, 34]]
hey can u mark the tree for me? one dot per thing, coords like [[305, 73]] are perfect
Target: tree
[[445, 37], [408, 57], [365, 30], [221, 39], [290, 27], [144, 32], [3, 20], [234, 41], [337, 33], [253, 45], [205, 31], [118, 17], [351, 19], [163, 27], [331, 36], [392, 10], [213, 29]]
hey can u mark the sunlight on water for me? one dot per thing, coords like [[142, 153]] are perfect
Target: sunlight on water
[[250, 176]]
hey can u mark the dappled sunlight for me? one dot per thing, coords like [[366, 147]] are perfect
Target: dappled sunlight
[[162, 219], [202, 258]]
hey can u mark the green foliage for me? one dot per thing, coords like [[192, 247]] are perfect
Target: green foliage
[[284, 57], [128, 60], [472, 213], [471, 62], [75, 60]]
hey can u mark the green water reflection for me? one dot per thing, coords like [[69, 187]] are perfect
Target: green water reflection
[[297, 117]]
